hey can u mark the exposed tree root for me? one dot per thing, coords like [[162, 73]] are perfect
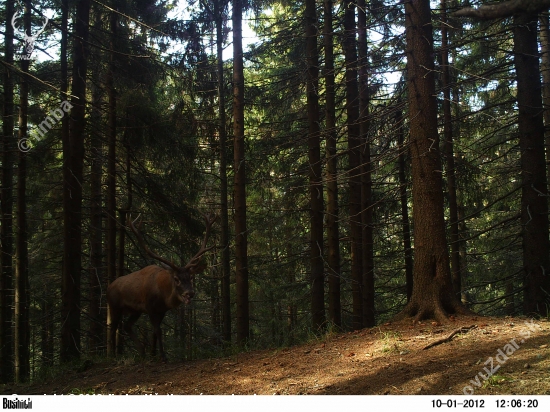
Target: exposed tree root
[[439, 310], [464, 329]]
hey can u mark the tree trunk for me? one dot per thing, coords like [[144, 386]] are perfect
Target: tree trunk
[[432, 295], [111, 173], [354, 158], [95, 272], [534, 200], [241, 248], [224, 236], [6, 234], [545, 69], [73, 161], [22, 327], [46, 327], [333, 232], [403, 198], [367, 234], [315, 173], [456, 274]]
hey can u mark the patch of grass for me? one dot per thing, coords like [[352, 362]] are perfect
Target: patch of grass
[[496, 380], [78, 391], [391, 342]]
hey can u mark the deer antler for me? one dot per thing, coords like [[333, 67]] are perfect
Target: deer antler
[[145, 247], [15, 16], [46, 20], [194, 261]]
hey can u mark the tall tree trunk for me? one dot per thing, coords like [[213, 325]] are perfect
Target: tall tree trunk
[[456, 274], [73, 161], [403, 199], [333, 232], [111, 171], [457, 158], [224, 236], [315, 176], [545, 69], [367, 234], [432, 295], [46, 327], [95, 271], [22, 327], [534, 200], [354, 158], [6, 229], [241, 248]]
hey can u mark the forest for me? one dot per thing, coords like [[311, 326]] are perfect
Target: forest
[[307, 167]]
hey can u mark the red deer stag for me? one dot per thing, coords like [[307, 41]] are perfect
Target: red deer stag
[[153, 290]]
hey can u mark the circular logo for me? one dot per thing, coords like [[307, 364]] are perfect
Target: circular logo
[[24, 145]]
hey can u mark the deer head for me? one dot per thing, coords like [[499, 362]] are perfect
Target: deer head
[[183, 277], [28, 38]]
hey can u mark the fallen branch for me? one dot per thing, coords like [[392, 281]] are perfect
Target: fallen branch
[[464, 329]]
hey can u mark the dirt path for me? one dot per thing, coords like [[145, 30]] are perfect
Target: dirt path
[[383, 360]]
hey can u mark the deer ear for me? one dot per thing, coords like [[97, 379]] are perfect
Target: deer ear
[[176, 279], [198, 269]]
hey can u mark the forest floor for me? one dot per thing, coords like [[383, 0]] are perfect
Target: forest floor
[[494, 356]]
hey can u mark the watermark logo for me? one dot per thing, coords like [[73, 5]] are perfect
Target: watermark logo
[[28, 38], [46, 125], [16, 404], [501, 357]]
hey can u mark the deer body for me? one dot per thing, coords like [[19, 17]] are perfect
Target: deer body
[[153, 290], [149, 289]]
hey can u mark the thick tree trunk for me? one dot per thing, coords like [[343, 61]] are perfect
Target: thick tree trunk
[[367, 235], [95, 271], [545, 69], [22, 300], [432, 295], [224, 235], [110, 241], [315, 177], [73, 161], [241, 248], [456, 274], [354, 158], [534, 200], [333, 231], [403, 199], [6, 228]]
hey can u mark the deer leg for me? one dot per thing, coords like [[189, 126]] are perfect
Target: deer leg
[[128, 329], [115, 322], [156, 320]]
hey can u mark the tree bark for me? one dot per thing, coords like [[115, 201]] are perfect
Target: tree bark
[[315, 177], [110, 241], [456, 274], [333, 231], [432, 295], [545, 69], [534, 198], [73, 161], [224, 235], [403, 199], [241, 248], [6, 229], [367, 234], [354, 158], [95, 271], [22, 327]]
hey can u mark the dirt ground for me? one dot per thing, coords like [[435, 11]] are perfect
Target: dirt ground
[[490, 356]]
